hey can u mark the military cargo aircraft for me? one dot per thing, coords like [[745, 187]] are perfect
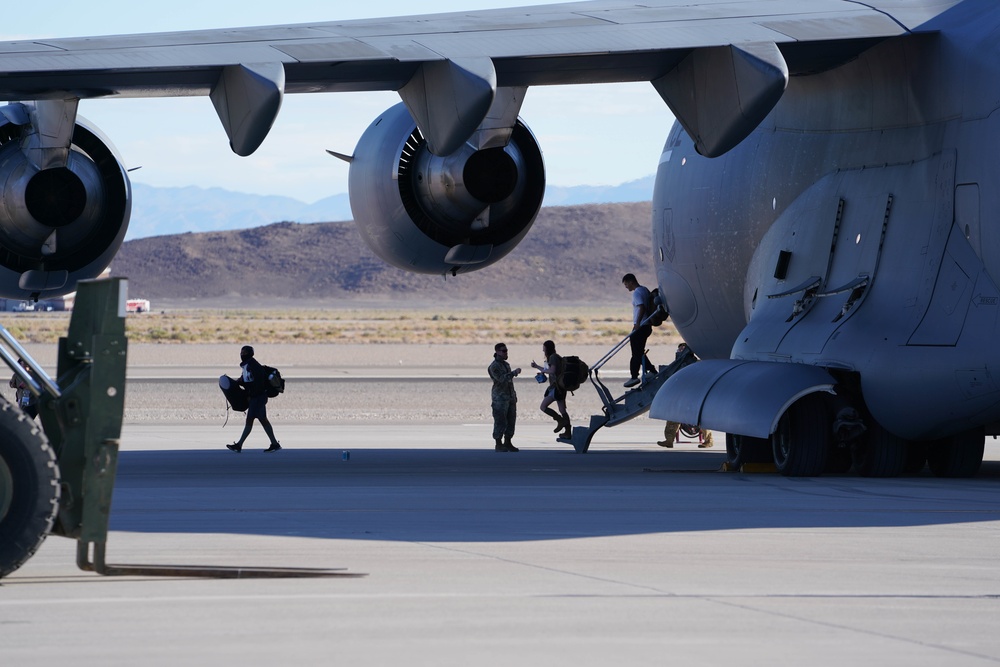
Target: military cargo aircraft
[[824, 220]]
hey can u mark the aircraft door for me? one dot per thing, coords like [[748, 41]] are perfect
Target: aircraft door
[[946, 314]]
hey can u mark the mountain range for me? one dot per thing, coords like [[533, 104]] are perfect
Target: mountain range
[[158, 211], [573, 254]]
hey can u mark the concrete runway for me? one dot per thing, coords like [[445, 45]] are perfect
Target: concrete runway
[[628, 555]]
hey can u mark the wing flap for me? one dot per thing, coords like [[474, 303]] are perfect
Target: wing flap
[[818, 29], [335, 50]]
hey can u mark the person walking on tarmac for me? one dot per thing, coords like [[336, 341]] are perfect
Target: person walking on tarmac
[[504, 399], [254, 381], [640, 333], [553, 368]]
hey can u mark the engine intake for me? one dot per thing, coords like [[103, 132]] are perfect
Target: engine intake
[[442, 214], [55, 197], [63, 224]]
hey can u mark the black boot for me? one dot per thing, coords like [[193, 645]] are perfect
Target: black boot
[[563, 424], [499, 446], [555, 415], [510, 445], [568, 433]]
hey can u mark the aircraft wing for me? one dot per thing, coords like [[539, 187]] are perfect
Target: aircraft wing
[[448, 67]]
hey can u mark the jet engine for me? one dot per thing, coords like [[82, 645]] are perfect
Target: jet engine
[[61, 224], [456, 213]]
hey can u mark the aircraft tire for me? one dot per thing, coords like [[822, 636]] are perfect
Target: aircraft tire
[[802, 440], [742, 449], [879, 453], [29, 487], [916, 458], [838, 460], [957, 456]]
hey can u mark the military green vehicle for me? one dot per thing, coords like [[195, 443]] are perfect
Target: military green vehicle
[[57, 474]]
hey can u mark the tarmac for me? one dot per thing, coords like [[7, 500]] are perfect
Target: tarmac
[[447, 553]]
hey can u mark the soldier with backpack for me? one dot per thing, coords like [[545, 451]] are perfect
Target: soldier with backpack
[[554, 368], [254, 379]]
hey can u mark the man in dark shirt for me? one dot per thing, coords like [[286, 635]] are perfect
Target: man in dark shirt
[[640, 332]]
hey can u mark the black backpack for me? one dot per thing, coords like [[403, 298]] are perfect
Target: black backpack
[[653, 307], [275, 383], [575, 372]]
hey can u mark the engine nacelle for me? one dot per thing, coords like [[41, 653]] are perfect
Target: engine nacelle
[[452, 214], [63, 224]]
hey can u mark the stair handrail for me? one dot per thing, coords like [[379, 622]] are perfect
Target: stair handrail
[[618, 346]]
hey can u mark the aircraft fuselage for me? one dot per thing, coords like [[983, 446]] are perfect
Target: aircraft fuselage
[[856, 230]]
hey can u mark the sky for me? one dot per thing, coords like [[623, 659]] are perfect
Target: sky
[[590, 135]]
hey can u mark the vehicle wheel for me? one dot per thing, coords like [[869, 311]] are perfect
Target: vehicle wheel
[[957, 456], [29, 487], [742, 449], [802, 439], [879, 453]]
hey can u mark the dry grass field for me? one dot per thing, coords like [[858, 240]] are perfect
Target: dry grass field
[[451, 325], [375, 349]]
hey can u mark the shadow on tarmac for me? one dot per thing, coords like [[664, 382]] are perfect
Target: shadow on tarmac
[[465, 495]]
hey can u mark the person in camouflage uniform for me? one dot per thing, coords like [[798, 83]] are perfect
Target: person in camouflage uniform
[[683, 357], [504, 399]]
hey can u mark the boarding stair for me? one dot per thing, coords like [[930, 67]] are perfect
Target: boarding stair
[[635, 402]]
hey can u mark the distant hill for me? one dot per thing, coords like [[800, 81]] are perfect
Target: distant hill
[[633, 191], [572, 254], [157, 211]]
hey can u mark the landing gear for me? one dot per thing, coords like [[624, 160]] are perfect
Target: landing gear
[[838, 459], [742, 449], [879, 453], [835, 432], [802, 439], [957, 456], [29, 487], [916, 458]]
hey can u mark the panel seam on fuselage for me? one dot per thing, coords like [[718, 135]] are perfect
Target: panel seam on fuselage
[[880, 11]]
